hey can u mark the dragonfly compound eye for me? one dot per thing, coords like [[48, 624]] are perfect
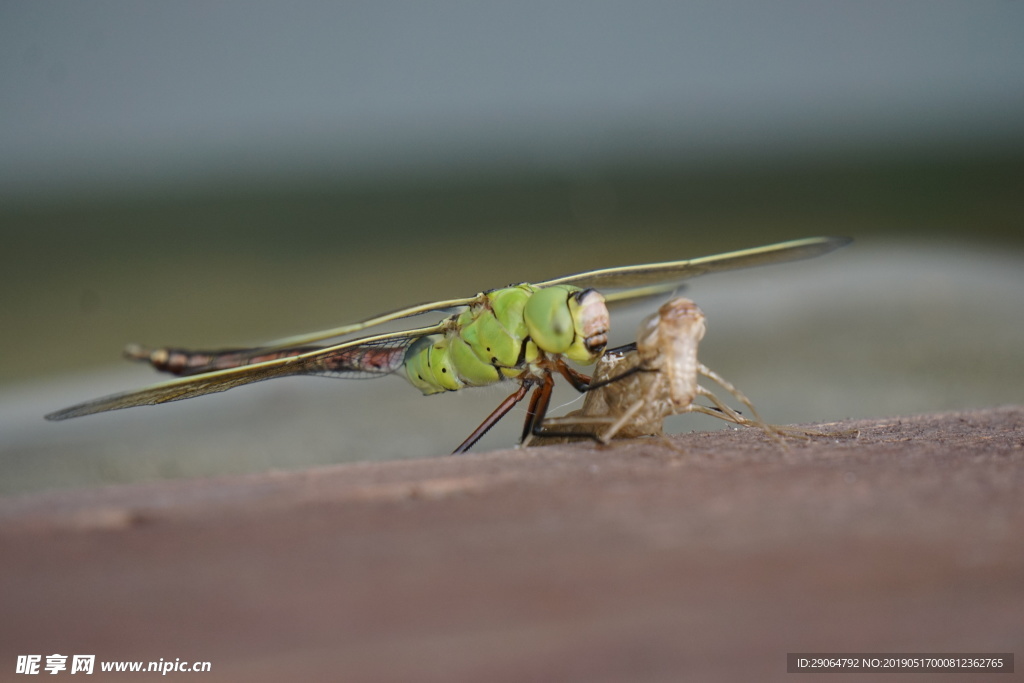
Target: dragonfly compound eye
[[549, 318]]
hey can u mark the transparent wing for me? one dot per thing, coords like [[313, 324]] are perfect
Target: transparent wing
[[650, 280], [658, 278], [370, 356], [351, 328], [634, 294]]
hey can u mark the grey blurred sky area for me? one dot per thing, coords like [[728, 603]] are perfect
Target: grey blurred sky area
[[101, 96]]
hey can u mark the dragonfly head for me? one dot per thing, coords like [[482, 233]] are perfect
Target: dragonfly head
[[590, 314], [567, 320]]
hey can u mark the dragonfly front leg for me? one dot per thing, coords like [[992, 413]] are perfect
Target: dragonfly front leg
[[578, 380], [493, 418]]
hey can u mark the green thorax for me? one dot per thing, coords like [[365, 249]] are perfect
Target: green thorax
[[502, 335]]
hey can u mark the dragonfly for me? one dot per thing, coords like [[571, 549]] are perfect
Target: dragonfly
[[524, 333]]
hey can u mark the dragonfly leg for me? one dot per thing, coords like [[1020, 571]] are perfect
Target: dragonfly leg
[[621, 376], [621, 350], [492, 419], [537, 427], [538, 408], [578, 380]]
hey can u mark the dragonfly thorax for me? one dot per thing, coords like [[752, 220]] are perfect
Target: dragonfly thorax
[[509, 333]]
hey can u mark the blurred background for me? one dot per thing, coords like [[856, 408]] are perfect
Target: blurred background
[[218, 174]]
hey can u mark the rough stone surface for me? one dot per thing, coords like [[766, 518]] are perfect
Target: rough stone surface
[[705, 558]]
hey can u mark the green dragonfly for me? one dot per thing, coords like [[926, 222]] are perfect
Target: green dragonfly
[[525, 333]]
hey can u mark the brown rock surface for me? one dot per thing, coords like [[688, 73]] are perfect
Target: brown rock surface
[[709, 560]]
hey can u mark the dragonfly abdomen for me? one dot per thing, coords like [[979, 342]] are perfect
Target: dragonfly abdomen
[[184, 363], [367, 360]]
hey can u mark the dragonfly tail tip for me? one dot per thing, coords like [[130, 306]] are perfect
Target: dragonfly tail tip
[[137, 352]]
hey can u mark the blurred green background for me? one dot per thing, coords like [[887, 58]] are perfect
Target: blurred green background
[[190, 181], [226, 267]]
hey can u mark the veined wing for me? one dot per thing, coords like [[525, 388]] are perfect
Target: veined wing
[[657, 278], [377, 355], [351, 328], [650, 280]]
